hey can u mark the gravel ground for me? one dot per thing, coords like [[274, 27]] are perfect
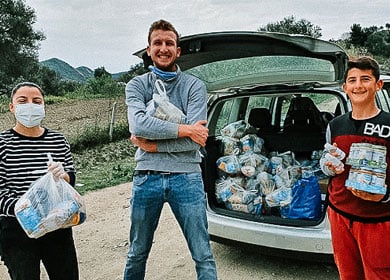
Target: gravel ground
[[102, 244]]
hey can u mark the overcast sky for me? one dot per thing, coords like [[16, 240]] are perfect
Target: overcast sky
[[96, 33]]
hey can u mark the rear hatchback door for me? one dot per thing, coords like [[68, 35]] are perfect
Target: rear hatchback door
[[231, 59]]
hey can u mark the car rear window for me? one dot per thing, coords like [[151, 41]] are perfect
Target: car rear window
[[265, 69]]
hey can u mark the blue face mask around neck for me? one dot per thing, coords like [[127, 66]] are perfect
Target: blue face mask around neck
[[163, 74]]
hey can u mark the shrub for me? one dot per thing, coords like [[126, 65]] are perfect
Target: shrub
[[96, 135]]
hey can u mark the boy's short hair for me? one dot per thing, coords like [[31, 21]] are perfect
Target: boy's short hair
[[25, 84], [363, 63], [163, 25]]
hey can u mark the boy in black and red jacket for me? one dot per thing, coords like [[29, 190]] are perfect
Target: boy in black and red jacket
[[359, 209]]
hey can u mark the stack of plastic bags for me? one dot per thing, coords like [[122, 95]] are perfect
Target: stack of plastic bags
[[251, 182]]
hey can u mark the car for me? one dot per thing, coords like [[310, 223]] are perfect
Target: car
[[271, 96], [383, 95]]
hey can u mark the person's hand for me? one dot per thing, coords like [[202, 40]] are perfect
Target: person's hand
[[144, 144], [333, 168], [57, 169], [366, 195], [198, 132]]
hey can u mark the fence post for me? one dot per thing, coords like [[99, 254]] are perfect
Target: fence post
[[112, 120]]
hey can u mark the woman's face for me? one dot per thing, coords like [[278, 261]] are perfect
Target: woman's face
[[26, 94]]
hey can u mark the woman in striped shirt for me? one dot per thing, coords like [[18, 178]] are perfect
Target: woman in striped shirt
[[23, 159]]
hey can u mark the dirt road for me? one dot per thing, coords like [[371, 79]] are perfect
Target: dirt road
[[102, 244]]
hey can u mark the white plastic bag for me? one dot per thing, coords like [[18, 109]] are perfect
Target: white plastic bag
[[49, 205], [160, 107]]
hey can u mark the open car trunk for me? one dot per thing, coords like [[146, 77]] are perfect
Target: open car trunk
[[262, 156]]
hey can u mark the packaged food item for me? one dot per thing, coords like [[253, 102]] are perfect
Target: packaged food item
[[248, 171], [334, 151], [260, 182], [226, 187], [276, 164], [368, 181], [338, 164], [368, 168]]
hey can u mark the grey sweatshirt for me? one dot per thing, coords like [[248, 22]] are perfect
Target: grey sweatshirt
[[186, 92]]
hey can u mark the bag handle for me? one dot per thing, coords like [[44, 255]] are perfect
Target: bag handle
[[49, 157], [160, 88]]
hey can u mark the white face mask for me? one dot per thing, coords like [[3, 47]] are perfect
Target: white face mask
[[29, 114]]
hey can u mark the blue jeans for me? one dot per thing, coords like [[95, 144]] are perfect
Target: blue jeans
[[185, 194]]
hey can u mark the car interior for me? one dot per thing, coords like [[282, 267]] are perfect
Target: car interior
[[286, 122]]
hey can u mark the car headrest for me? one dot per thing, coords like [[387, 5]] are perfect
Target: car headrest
[[260, 118]]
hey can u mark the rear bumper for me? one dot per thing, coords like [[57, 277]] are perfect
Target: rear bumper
[[313, 239]]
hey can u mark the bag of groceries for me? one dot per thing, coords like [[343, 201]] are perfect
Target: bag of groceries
[[306, 199], [160, 107], [49, 205]]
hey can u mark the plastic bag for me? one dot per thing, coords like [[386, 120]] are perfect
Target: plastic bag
[[230, 145], [257, 161], [278, 197], [251, 142], [229, 164], [306, 199], [235, 130], [49, 205], [162, 108], [266, 182], [225, 188]]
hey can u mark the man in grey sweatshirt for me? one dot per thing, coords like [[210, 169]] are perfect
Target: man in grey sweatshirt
[[168, 157]]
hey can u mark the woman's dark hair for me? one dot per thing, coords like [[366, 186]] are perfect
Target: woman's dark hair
[[363, 63], [163, 25], [25, 84]]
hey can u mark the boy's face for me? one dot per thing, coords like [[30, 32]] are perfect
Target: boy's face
[[163, 49], [361, 86]]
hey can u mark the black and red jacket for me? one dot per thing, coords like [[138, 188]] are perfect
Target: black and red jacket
[[344, 131]]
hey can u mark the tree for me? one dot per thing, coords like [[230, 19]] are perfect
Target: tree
[[378, 43], [359, 35], [135, 70], [100, 72], [19, 43], [46, 78], [290, 26], [376, 40]]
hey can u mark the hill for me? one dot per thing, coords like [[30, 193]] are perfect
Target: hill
[[67, 72], [87, 72]]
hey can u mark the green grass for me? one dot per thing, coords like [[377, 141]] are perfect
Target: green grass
[[4, 101], [102, 161], [104, 165]]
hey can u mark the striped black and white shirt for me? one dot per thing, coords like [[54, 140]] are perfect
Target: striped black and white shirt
[[24, 159]]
